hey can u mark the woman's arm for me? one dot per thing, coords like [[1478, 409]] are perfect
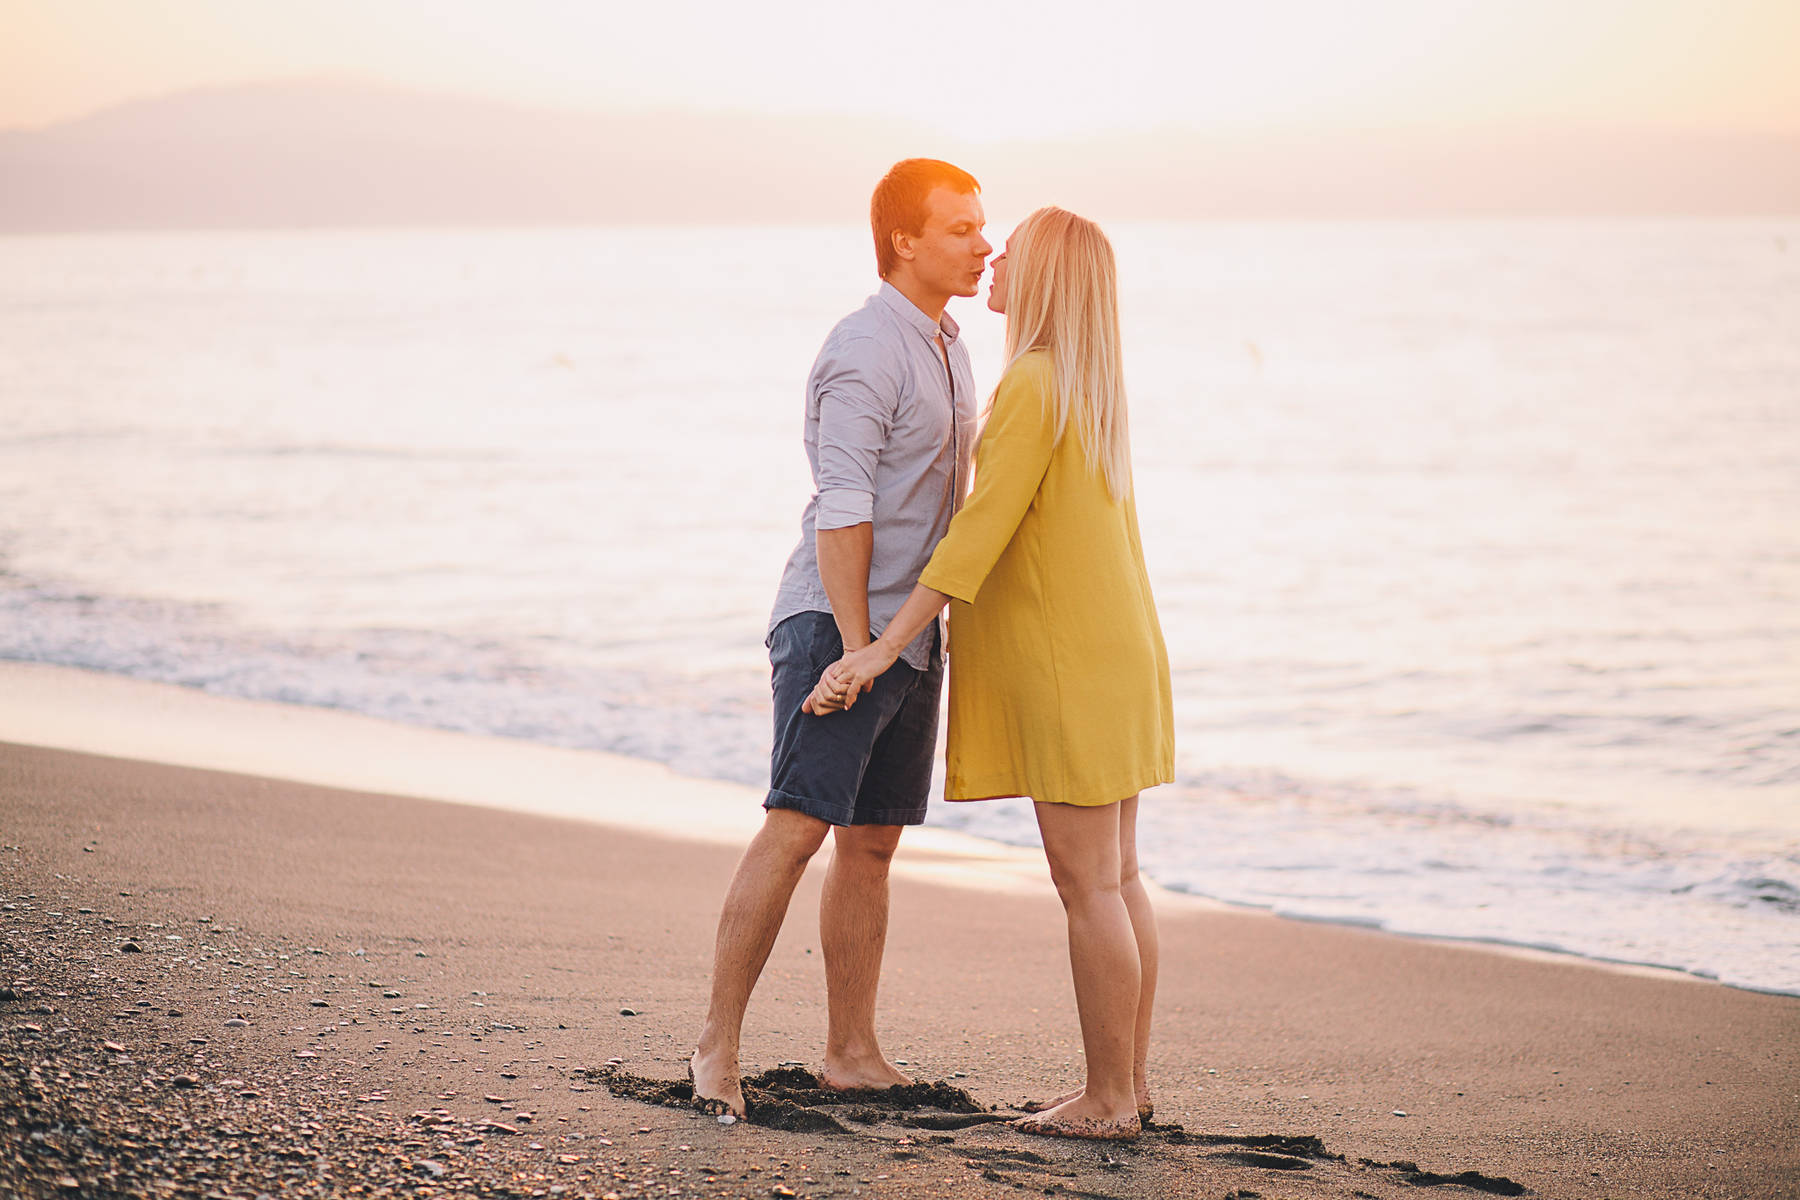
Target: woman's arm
[[856, 672], [1010, 462]]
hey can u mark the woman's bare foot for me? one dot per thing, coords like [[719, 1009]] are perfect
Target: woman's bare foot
[[1078, 1119], [718, 1090], [1146, 1110], [859, 1074]]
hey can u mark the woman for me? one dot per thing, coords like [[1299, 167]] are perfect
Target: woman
[[1059, 682]]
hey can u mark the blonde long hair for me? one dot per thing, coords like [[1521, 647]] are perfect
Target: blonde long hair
[[1062, 297]]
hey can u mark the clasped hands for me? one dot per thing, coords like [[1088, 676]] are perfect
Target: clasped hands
[[848, 678]]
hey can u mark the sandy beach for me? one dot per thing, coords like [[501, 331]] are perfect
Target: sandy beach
[[252, 984]]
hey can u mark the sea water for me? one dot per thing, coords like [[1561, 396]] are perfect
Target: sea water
[[1476, 544]]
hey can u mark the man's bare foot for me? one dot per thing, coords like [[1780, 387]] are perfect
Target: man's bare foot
[[859, 1074], [1146, 1110], [718, 1090]]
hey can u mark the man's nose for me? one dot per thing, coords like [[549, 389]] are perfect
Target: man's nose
[[986, 248]]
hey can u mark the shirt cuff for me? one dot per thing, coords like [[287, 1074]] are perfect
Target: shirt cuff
[[840, 508]]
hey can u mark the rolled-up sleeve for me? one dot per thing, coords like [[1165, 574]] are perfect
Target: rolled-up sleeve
[[856, 414], [1010, 462]]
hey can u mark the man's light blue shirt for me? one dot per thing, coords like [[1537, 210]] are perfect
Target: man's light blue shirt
[[889, 436]]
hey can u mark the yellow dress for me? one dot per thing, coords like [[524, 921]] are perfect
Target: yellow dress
[[1059, 680]]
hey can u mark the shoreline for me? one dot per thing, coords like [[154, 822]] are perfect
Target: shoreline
[[101, 713], [513, 944]]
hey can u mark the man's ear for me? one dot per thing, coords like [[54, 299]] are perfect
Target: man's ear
[[902, 243]]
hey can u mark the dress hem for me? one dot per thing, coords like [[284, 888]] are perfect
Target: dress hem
[[1131, 787]]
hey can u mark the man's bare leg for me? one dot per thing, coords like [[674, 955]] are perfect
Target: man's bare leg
[[755, 906], [853, 912]]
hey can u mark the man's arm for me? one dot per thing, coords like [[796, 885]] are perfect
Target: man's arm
[[857, 391], [844, 570]]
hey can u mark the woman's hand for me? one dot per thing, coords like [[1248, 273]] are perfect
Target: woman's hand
[[849, 677]]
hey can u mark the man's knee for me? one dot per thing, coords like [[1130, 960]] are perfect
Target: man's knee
[[867, 847], [792, 835]]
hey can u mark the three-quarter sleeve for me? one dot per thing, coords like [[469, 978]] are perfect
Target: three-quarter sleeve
[[856, 414], [1010, 462]]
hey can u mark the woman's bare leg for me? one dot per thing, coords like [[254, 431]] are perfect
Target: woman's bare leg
[[1143, 928], [1082, 845]]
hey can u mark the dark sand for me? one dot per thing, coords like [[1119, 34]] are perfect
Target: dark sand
[[512, 944]]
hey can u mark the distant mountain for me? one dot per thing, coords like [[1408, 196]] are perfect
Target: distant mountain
[[320, 153], [335, 154]]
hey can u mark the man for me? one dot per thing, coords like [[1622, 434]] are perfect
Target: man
[[890, 415]]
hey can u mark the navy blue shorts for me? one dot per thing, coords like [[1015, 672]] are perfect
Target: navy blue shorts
[[868, 765]]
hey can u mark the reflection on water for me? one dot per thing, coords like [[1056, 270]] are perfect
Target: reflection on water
[[1473, 542]]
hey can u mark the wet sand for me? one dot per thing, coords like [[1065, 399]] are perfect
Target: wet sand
[[422, 977]]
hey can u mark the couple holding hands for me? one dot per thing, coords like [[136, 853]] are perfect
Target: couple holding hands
[[1059, 688]]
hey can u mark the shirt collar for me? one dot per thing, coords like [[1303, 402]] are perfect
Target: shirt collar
[[909, 313]]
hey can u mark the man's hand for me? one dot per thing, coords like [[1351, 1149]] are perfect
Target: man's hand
[[848, 678]]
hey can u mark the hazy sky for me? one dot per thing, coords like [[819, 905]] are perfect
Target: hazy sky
[[992, 69]]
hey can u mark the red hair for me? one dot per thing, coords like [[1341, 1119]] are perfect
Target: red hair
[[900, 200]]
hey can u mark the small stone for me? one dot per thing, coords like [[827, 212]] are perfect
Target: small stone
[[1399, 1113], [727, 1119], [628, 1012], [237, 1023], [319, 1003], [781, 1189], [431, 1167], [390, 995], [131, 948], [568, 1160], [186, 1081], [497, 1127], [304, 1054], [494, 1099], [112, 1046]]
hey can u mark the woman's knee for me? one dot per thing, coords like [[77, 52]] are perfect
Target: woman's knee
[[1083, 884]]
